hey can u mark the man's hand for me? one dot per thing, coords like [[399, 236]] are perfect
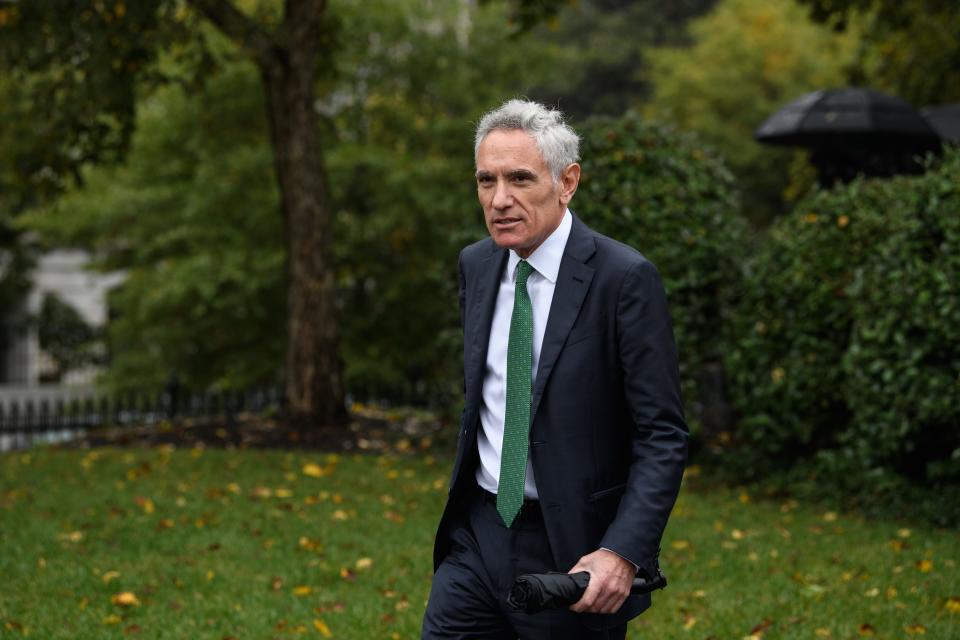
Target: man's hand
[[610, 579]]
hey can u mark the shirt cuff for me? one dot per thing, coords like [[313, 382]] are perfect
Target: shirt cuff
[[636, 567]]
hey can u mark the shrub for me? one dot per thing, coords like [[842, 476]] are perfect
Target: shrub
[[846, 344], [662, 192]]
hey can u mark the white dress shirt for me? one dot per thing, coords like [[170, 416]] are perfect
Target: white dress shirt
[[545, 261]]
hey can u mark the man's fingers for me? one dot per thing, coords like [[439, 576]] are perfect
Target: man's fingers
[[588, 600], [600, 597], [609, 597]]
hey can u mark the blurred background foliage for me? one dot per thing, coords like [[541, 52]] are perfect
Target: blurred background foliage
[[772, 47], [826, 319], [844, 353]]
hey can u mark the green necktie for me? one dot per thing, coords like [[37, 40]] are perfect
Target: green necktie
[[516, 427]]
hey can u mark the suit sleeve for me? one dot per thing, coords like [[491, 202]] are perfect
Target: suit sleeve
[[651, 382], [462, 291]]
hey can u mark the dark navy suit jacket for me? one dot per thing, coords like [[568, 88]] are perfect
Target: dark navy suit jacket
[[608, 441]]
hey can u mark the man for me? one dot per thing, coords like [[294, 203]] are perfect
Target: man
[[572, 441]]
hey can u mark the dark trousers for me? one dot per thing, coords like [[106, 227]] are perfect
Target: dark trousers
[[469, 592]]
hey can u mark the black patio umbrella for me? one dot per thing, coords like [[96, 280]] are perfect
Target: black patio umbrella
[[853, 131], [945, 118], [852, 117]]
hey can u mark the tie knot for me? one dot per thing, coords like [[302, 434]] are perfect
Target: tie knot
[[523, 272]]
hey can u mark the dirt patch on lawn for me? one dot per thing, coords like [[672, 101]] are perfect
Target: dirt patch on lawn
[[368, 429]]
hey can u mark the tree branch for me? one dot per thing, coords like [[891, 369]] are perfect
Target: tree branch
[[237, 26], [303, 22]]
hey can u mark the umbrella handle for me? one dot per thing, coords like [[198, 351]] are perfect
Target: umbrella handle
[[642, 585]]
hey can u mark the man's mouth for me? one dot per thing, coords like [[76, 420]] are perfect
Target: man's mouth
[[505, 223]]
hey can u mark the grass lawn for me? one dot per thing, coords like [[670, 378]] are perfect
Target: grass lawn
[[203, 543]]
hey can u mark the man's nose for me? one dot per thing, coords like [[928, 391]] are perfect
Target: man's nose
[[502, 198]]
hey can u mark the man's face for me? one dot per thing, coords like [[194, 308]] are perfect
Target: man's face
[[521, 203]]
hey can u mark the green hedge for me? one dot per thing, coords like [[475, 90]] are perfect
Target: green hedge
[[662, 192], [846, 343]]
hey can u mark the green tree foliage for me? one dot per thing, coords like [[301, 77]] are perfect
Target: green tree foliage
[[65, 336], [17, 151], [77, 77], [601, 48], [846, 342], [909, 47], [191, 219], [666, 194], [748, 58]]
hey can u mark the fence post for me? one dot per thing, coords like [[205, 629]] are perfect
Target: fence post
[[173, 395]]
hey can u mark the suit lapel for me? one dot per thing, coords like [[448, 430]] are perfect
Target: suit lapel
[[573, 282], [480, 317]]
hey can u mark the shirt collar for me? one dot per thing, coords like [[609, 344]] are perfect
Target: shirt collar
[[546, 258]]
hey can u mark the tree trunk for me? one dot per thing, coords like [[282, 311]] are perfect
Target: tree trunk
[[313, 369]]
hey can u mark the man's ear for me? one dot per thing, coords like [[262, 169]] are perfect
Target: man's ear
[[569, 179]]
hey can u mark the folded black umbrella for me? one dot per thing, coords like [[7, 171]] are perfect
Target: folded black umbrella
[[534, 592]]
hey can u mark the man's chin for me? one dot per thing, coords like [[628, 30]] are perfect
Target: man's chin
[[508, 240]]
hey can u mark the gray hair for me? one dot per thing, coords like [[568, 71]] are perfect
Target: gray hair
[[558, 143]]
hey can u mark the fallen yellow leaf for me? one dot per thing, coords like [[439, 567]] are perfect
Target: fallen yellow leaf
[[302, 590], [953, 604], [73, 536], [364, 563], [112, 619], [125, 599], [146, 504], [680, 545], [313, 470], [925, 565], [915, 629], [322, 627], [866, 629], [306, 543], [110, 575]]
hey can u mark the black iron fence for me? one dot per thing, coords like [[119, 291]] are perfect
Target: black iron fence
[[54, 417]]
